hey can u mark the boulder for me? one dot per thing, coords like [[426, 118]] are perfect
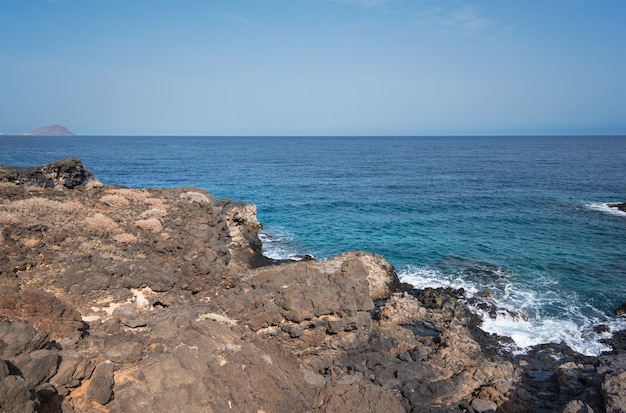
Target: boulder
[[38, 366], [381, 276], [129, 316], [100, 387], [18, 337], [64, 173], [483, 406], [577, 406], [125, 352], [68, 366], [15, 395], [614, 392]]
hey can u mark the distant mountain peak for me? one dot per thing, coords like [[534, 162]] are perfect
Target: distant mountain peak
[[51, 130]]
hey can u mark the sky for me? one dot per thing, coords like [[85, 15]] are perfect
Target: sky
[[314, 67]]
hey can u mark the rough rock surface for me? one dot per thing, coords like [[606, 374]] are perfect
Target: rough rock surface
[[160, 300], [64, 173]]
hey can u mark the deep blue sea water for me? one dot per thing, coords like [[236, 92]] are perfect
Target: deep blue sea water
[[522, 217]]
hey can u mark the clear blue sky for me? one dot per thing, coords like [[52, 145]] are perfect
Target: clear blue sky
[[314, 67]]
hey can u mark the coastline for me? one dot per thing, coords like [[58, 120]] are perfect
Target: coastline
[[112, 285]]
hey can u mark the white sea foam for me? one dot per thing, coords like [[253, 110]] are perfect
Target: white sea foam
[[420, 278], [528, 332], [279, 245], [604, 207], [522, 314]]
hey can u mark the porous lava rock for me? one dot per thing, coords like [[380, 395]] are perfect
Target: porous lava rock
[[159, 300], [64, 173]]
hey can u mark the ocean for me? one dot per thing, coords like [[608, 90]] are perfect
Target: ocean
[[524, 218]]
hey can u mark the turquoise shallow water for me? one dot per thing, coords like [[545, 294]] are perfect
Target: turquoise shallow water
[[523, 217]]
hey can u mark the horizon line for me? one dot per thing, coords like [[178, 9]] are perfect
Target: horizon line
[[495, 135]]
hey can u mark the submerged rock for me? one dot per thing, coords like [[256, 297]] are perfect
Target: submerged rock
[[620, 206]]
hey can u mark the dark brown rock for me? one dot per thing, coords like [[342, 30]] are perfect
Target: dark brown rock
[[129, 316], [125, 352], [19, 337], [100, 387], [44, 311], [614, 392], [577, 406], [38, 366], [483, 406], [15, 395], [620, 206], [67, 173], [356, 398], [68, 365]]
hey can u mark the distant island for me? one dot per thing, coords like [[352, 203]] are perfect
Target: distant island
[[51, 130]]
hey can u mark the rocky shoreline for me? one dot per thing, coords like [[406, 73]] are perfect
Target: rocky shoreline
[[116, 300]]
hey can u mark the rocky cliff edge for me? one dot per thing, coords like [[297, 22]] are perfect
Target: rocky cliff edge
[[159, 300]]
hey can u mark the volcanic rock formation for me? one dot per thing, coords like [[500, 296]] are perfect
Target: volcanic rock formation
[[159, 300]]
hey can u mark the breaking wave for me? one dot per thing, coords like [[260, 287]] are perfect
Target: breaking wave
[[528, 317], [604, 207], [280, 245]]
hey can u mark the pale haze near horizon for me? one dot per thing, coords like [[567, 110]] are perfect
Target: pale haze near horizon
[[314, 67]]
